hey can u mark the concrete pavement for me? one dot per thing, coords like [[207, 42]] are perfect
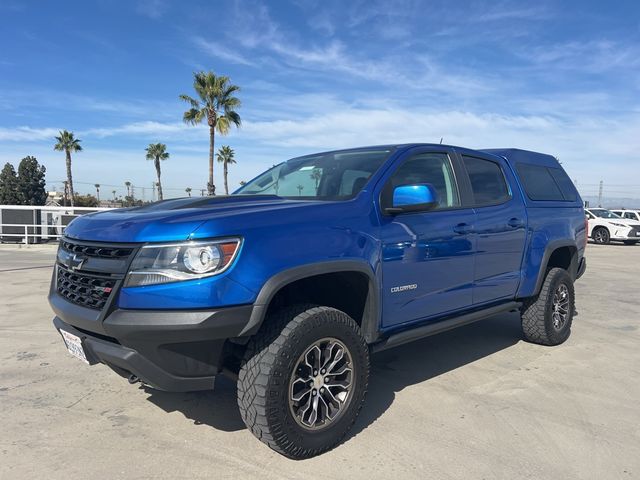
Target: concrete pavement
[[477, 402]]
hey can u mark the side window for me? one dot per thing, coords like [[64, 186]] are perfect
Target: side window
[[538, 182], [487, 181], [630, 215], [546, 183], [433, 168], [567, 187]]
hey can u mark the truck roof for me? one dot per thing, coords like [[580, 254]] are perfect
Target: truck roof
[[512, 155], [515, 155]]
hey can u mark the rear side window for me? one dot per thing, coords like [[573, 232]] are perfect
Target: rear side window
[[546, 183], [487, 181]]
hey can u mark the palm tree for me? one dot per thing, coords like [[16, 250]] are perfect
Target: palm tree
[[67, 143], [226, 157], [300, 188], [65, 196], [157, 152], [316, 176], [188, 190], [217, 104], [114, 195], [128, 185], [97, 185]]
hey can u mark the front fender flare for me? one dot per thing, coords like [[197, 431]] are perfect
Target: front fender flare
[[372, 311]]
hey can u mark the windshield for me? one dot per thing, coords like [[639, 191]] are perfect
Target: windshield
[[326, 176], [602, 213]]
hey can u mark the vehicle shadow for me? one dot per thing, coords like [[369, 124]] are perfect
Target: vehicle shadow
[[217, 408], [420, 361], [391, 371]]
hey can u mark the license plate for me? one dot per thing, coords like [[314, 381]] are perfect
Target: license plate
[[74, 345]]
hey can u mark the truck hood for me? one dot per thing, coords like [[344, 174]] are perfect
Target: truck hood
[[172, 220]]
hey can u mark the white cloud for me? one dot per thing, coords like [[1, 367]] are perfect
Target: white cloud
[[218, 50], [582, 142], [153, 9], [594, 56], [27, 134], [145, 129], [501, 13]]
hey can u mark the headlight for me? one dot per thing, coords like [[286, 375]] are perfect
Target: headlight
[[175, 262], [619, 224]]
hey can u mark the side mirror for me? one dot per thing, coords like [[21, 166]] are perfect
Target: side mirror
[[413, 198]]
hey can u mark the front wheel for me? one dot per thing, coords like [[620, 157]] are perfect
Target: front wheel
[[303, 380], [601, 236], [547, 318]]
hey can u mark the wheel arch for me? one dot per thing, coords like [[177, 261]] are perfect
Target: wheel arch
[[596, 227], [317, 273], [562, 254]]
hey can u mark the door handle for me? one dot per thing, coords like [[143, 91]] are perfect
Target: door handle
[[515, 222], [463, 228]]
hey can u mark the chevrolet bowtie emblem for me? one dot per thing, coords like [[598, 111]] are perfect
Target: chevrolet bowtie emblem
[[71, 260]]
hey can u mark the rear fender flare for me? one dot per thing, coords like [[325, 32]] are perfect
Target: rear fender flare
[[548, 251]]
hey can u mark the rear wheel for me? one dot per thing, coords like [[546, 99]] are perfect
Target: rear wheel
[[601, 236], [547, 318], [303, 380]]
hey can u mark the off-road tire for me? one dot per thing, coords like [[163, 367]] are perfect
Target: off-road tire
[[537, 320], [270, 358], [601, 236]]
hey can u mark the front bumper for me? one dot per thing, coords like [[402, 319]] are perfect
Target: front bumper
[[168, 350], [625, 233]]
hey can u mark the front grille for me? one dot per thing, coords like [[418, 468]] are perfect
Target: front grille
[[98, 251], [88, 290]]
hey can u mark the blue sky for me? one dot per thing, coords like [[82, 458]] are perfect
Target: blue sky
[[558, 77]]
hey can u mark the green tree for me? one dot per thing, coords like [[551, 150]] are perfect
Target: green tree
[[9, 186], [188, 190], [87, 200], [226, 157], [67, 143], [217, 105], [97, 185], [128, 185], [157, 152], [31, 182]]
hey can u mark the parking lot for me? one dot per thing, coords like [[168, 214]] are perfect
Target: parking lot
[[477, 402]]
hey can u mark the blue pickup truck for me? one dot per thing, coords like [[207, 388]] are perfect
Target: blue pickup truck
[[289, 284]]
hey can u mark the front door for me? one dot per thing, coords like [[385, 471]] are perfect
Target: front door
[[428, 257]]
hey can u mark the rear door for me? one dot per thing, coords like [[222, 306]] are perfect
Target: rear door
[[427, 267], [500, 227]]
